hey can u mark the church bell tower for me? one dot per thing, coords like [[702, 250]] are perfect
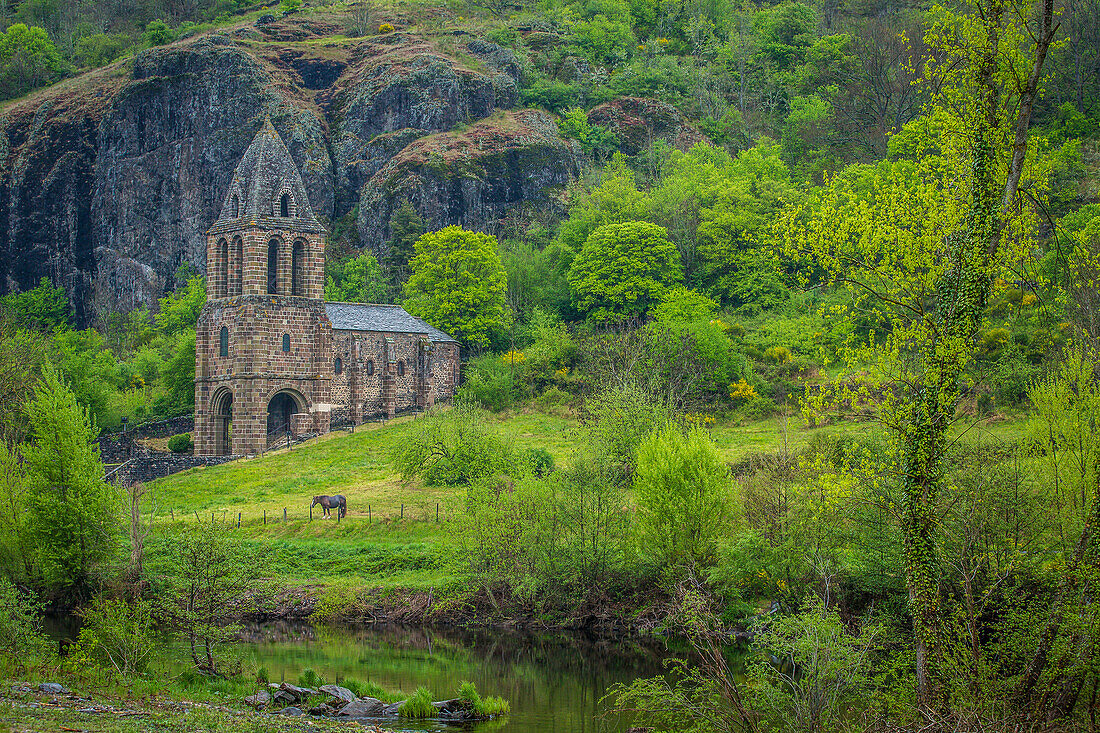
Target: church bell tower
[[263, 340]]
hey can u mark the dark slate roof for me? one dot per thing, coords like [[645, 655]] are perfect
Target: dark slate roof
[[385, 318], [265, 172]]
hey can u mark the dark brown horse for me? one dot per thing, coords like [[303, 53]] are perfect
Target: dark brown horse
[[337, 502]]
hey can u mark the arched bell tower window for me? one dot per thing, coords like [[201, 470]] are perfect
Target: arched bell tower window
[[223, 342], [297, 255], [286, 342], [284, 206], [273, 267], [238, 267], [234, 207], [221, 290]]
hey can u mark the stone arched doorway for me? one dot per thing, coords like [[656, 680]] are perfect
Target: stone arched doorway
[[281, 408], [222, 411]]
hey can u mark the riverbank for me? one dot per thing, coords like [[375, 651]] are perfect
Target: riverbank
[[26, 708]]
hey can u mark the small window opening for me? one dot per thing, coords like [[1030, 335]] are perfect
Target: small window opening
[[286, 342], [234, 207], [370, 367], [284, 206], [338, 366], [273, 267], [223, 342], [401, 368]]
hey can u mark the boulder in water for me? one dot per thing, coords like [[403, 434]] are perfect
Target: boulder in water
[[366, 707], [340, 693]]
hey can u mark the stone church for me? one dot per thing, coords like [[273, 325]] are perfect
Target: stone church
[[271, 356]]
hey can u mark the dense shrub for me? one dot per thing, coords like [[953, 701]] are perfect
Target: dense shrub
[[454, 447], [118, 635], [181, 443], [20, 623], [684, 495]]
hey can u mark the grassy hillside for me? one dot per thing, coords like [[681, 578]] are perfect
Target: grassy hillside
[[390, 538]]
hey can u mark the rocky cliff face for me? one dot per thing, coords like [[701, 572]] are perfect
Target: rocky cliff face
[[108, 181]]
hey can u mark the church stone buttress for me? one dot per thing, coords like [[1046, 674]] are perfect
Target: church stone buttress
[[263, 340]]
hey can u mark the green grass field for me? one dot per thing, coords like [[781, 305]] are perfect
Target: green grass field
[[391, 537]]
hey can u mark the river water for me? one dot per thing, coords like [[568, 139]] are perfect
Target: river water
[[554, 682]]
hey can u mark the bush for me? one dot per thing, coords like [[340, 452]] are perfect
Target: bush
[[684, 495], [542, 463], [262, 676], [385, 28], [118, 634], [618, 419], [490, 383], [419, 706], [181, 443], [20, 623], [453, 448], [287, 7]]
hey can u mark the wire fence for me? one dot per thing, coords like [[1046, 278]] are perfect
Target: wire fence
[[431, 512]]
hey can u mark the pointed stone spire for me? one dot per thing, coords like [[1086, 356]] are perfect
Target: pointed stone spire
[[267, 189]]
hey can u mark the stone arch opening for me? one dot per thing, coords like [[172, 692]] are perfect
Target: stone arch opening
[[281, 409], [273, 267], [284, 206], [221, 410], [237, 285], [234, 207], [297, 260], [223, 342]]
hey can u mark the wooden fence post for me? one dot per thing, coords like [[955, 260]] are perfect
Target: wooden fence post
[[265, 517], [173, 514], [369, 520], [211, 517], [437, 512], [284, 515], [238, 520], [402, 512]]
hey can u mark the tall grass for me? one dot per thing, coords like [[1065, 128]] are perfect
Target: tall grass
[[419, 706]]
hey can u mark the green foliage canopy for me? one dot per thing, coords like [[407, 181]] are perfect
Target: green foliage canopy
[[458, 284], [623, 269]]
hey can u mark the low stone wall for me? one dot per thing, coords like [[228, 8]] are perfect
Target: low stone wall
[[146, 465], [118, 447]]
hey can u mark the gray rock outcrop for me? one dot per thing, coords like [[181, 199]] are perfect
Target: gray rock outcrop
[[108, 181]]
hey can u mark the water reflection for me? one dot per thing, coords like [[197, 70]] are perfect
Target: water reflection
[[553, 681]]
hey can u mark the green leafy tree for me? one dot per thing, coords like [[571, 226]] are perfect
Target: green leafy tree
[[684, 494], [28, 59], [615, 200], [157, 33], [209, 573], [358, 279], [458, 284], [179, 311], [928, 252], [43, 308], [623, 269], [74, 513]]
